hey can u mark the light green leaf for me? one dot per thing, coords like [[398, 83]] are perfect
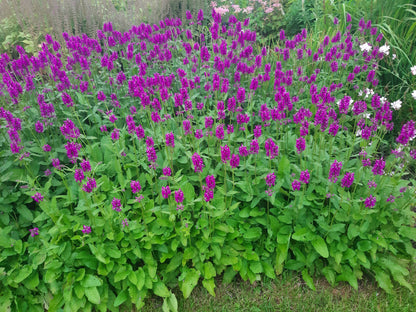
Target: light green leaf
[[23, 273], [252, 233], [209, 270], [320, 246], [383, 280], [189, 282], [91, 281], [121, 298], [209, 285], [308, 279], [92, 295], [160, 289]]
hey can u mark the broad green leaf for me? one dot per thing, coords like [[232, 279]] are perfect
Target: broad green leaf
[[409, 232], [188, 191], [91, 281], [252, 233], [268, 269], [113, 252], [308, 279], [173, 303], [160, 289], [121, 298], [189, 282], [209, 285], [281, 256], [121, 274], [174, 263], [256, 267], [364, 245], [209, 270], [141, 278], [303, 234], [32, 281], [92, 295], [25, 212], [353, 231], [23, 273], [320, 246]]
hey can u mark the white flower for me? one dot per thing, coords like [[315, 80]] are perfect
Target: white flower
[[365, 47], [396, 105], [358, 133], [383, 100], [368, 92], [385, 49], [367, 115], [394, 56], [413, 70], [360, 93], [414, 94]]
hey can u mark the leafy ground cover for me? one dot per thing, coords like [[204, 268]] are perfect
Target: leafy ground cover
[[172, 154]]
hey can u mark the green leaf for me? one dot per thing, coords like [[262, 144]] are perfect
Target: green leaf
[[303, 234], [92, 295], [308, 279], [113, 252], [141, 278], [121, 298], [252, 233], [209, 285], [173, 303], [353, 231], [188, 192], [320, 246], [91, 281], [25, 212], [160, 289], [364, 245], [256, 267], [409, 232], [23, 273], [189, 282], [121, 274], [209, 270], [32, 281], [281, 255], [174, 263], [383, 280]]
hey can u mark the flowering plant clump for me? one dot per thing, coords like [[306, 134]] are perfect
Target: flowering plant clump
[[192, 152]]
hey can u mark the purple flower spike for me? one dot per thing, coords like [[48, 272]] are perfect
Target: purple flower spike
[[34, 232], [370, 201], [334, 171], [86, 229], [166, 191], [198, 162], [116, 203], [179, 196], [296, 185], [37, 197], [135, 186], [210, 180], [347, 180]]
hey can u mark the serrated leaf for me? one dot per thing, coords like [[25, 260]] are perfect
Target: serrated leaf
[[209, 285], [189, 282], [320, 246], [121, 298], [92, 295], [383, 280]]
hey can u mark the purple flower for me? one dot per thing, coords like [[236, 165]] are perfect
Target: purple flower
[[167, 171], [208, 195], [46, 148], [242, 150], [79, 175], [257, 131], [69, 130], [197, 162], [391, 198], [366, 162], [86, 229], [151, 154], [254, 147], [241, 95], [219, 132], [296, 185], [210, 180], [90, 185], [135, 186], [39, 127], [371, 184], [348, 179], [170, 139], [125, 222], [115, 135], [270, 179], [225, 153], [56, 163], [187, 127], [166, 191], [179, 196], [199, 134], [334, 171], [85, 165], [101, 96], [37, 197], [378, 168], [72, 149], [34, 232], [304, 177], [116, 204], [300, 144], [370, 201], [234, 161], [272, 150]]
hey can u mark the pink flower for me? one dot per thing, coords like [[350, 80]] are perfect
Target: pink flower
[[37, 197]]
